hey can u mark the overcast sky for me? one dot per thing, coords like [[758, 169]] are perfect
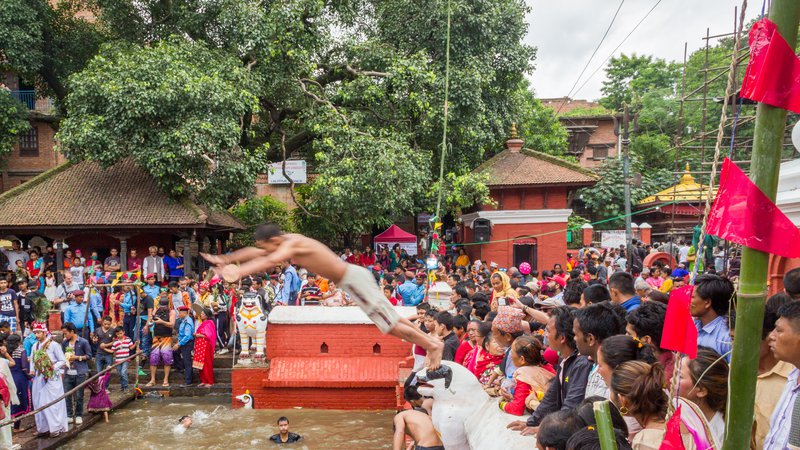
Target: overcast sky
[[567, 31]]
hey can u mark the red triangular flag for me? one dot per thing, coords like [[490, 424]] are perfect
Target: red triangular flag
[[672, 438], [743, 214], [773, 73], [680, 332]]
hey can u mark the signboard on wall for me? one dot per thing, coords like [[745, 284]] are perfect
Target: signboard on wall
[[612, 239], [409, 247], [295, 168]]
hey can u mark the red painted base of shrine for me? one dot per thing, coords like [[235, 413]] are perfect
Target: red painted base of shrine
[[327, 366]]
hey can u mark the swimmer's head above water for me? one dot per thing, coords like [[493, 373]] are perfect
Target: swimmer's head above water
[[185, 421]]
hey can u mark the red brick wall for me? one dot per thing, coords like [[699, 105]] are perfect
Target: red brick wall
[[304, 340], [19, 169], [528, 198], [552, 248], [320, 398]]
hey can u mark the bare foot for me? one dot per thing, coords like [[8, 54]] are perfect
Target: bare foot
[[230, 273], [213, 259], [434, 357]]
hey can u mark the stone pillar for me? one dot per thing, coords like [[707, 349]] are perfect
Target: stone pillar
[[187, 254], [646, 232], [60, 255], [123, 254], [588, 233]]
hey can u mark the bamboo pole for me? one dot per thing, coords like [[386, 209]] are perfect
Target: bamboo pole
[[68, 393], [764, 170], [605, 427]]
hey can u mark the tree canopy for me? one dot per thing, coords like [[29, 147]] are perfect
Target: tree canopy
[[355, 87]]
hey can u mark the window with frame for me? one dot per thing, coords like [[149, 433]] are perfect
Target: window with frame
[[600, 153], [29, 143]]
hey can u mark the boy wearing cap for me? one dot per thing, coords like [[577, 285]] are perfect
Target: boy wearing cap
[[185, 343]]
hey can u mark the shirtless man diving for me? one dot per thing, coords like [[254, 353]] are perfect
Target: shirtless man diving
[[273, 247]]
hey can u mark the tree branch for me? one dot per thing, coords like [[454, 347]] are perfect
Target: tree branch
[[286, 175]]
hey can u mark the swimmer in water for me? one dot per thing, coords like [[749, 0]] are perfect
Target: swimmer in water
[[419, 426], [185, 422], [285, 436], [273, 247]]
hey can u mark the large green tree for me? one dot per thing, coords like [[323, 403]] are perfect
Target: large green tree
[[356, 87]]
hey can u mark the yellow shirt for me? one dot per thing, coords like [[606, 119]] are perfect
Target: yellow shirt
[[769, 387], [462, 261], [666, 286]]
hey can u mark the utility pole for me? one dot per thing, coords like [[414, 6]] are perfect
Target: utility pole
[[624, 132], [764, 170]]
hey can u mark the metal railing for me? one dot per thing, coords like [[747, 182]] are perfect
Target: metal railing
[[29, 99]]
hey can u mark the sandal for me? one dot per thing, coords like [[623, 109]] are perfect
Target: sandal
[[165, 385], [150, 384]]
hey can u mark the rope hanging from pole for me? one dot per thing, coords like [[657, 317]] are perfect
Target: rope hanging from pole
[[718, 145], [446, 109]]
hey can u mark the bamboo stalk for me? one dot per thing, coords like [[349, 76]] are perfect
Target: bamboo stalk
[[605, 427], [764, 170]]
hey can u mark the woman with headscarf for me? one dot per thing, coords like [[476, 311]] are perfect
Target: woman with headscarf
[[204, 341], [502, 294]]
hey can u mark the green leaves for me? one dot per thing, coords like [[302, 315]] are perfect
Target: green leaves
[[175, 108], [606, 198], [13, 121]]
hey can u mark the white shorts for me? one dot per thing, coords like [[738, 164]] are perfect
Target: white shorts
[[363, 288]]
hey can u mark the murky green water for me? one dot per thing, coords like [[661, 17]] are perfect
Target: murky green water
[[151, 424]]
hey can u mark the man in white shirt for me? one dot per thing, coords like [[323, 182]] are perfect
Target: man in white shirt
[[153, 264], [15, 254]]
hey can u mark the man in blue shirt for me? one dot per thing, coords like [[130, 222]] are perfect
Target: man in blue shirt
[[710, 303], [150, 288], [185, 343], [76, 314], [412, 292], [291, 287], [174, 265], [622, 291]]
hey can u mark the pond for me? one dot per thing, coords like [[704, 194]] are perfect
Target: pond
[[151, 424]]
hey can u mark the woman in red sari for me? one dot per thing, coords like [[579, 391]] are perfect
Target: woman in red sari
[[479, 360], [205, 339]]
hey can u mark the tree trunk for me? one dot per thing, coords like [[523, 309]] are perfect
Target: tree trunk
[[764, 170]]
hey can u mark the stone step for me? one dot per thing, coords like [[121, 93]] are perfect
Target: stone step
[[174, 390], [175, 377]]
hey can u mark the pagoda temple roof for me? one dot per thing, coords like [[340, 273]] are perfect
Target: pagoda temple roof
[[687, 190]]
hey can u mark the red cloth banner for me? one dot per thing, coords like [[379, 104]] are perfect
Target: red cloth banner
[[680, 333], [743, 214], [773, 73], [672, 438]]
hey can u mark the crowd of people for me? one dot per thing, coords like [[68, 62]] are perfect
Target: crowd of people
[[545, 344], [548, 344]]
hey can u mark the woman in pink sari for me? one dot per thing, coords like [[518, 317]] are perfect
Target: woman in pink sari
[[204, 342]]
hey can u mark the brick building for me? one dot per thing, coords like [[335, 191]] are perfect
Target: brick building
[[533, 192], [590, 128], [121, 207], [35, 152]]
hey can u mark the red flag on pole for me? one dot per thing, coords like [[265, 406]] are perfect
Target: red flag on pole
[[680, 332], [743, 214], [773, 73]]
